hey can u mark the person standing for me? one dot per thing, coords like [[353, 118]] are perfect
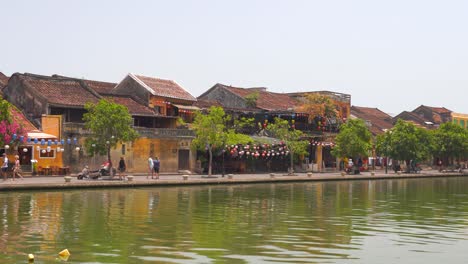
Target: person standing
[[150, 167], [17, 168], [122, 168], [156, 165], [4, 166]]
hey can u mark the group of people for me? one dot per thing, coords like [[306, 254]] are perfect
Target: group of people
[[104, 170], [153, 165], [153, 168], [16, 169]]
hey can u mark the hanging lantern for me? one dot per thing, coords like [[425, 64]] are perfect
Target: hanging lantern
[[42, 141], [14, 136], [25, 150], [48, 148], [21, 138], [68, 141]]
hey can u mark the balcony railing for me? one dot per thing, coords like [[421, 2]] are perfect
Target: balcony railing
[[165, 133], [78, 129]]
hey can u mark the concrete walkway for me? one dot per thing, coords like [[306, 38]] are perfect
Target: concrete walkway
[[58, 182]]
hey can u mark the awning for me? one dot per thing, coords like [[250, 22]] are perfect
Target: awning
[[187, 107], [40, 135]]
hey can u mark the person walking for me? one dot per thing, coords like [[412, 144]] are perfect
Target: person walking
[[4, 166], [122, 168], [17, 169], [150, 167], [156, 165]]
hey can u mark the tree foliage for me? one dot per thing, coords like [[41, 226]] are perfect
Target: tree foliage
[[282, 130], [318, 105], [109, 123], [353, 140], [450, 141], [251, 99], [213, 134], [405, 141], [10, 129]]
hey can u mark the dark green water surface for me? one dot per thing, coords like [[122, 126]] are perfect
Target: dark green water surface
[[384, 221]]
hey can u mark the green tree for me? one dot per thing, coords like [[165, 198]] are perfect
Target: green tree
[[450, 141], [281, 129], [109, 123], [251, 99], [353, 140], [213, 134], [405, 141], [4, 110]]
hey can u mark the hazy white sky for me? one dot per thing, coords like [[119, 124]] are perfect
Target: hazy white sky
[[394, 55]]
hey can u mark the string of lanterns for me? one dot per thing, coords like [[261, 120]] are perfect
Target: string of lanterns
[[43, 142], [265, 151], [319, 143]]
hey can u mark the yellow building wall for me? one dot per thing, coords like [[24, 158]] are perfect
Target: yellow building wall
[[460, 119], [137, 153], [51, 124]]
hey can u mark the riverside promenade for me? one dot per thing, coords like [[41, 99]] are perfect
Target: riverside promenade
[[140, 180]]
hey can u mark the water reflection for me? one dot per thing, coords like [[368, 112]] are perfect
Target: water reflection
[[333, 222]]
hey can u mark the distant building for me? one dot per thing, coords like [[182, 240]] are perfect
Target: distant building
[[426, 116], [155, 104], [376, 120], [460, 119], [264, 106]]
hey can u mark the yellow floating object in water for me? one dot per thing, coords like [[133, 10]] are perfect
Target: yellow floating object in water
[[64, 253], [30, 257]]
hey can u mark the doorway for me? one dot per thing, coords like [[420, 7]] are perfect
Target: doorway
[[184, 161]]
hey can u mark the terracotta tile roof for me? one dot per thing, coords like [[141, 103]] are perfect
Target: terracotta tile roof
[[439, 110], [134, 108], [97, 86], [21, 119], [379, 120], [164, 88], [100, 87], [436, 115], [205, 104], [412, 117], [266, 100], [60, 91]]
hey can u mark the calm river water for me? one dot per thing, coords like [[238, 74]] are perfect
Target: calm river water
[[383, 221]]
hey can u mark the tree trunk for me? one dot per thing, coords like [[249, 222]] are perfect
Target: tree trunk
[[210, 160], [110, 161], [292, 163]]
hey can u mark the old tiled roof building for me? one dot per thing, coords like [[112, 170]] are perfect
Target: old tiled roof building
[[426, 116], [376, 120], [264, 106], [154, 104]]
